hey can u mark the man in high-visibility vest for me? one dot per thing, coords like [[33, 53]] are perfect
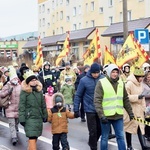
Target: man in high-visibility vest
[[110, 98]]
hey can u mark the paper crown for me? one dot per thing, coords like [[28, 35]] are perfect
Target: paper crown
[[12, 72], [28, 73]]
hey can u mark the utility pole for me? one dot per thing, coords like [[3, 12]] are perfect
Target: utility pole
[[125, 20]]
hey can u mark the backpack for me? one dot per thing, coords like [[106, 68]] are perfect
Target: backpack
[[5, 101]]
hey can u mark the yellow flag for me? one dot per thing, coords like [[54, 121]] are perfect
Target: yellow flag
[[93, 52], [127, 52], [108, 57], [39, 56], [65, 50]]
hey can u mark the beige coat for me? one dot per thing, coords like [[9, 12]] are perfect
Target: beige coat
[[134, 88]]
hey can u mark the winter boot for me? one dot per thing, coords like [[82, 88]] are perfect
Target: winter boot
[[32, 144]]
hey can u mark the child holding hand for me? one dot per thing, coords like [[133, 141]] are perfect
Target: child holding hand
[[58, 116], [49, 97]]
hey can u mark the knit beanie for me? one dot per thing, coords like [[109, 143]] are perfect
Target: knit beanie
[[58, 99], [31, 78], [95, 68]]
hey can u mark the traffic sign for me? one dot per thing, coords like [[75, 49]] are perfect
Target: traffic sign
[[142, 35]]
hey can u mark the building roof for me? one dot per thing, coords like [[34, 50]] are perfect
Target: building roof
[[117, 28], [30, 44], [55, 39]]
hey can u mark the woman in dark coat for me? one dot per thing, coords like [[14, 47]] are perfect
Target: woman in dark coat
[[32, 108]]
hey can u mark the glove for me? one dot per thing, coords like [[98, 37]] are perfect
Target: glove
[[140, 96], [131, 116], [10, 90], [104, 120], [22, 123], [44, 120], [76, 114]]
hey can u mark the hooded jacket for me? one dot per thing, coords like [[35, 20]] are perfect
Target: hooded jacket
[[59, 117], [32, 109], [134, 88], [99, 93], [85, 91]]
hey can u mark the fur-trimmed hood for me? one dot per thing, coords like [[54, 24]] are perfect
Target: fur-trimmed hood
[[58, 94], [27, 88]]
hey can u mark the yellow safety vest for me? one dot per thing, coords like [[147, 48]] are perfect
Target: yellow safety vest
[[112, 102]]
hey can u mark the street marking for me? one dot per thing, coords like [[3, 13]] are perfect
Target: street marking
[[2, 147], [41, 138]]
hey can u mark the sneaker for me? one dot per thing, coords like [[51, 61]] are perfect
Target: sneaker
[[83, 120], [14, 141], [111, 136]]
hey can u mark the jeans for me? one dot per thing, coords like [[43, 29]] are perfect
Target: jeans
[[62, 137], [118, 128]]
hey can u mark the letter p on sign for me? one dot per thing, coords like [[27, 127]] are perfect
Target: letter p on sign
[[142, 35]]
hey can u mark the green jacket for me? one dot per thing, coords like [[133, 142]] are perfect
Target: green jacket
[[32, 110]]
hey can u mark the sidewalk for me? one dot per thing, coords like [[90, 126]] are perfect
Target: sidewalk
[[2, 147]]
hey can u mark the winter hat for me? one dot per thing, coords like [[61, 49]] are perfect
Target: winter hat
[[15, 64], [67, 64], [67, 79], [29, 75], [58, 99], [110, 68], [139, 72], [95, 68], [23, 69], [12, 73], [50, 89], [86, 66]]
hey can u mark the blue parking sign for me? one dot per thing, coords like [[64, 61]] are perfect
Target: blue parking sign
[[142, 35]]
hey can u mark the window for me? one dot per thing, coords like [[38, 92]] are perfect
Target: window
[[53, 19], [43, 34], [74, 27], [92, 23], [74, 11], [48, 11], [121, 17], [40, 22], [110, 3], [67, 2], [92, 6], [75, 51], [61, 1], [39, 9], [101, 10], [57, 16], [129, 15], [48, 24], [86, 7], [79, 9], [43, 8], [61, 15], [67, 18], [53, 4], [61, 30], [43, 22], [86, 23], [110, 20], [79, 25]]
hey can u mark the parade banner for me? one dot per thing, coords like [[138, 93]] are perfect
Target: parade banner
[[65, 50], [128, 52], [108, 57], [39, 55], [93, 52]]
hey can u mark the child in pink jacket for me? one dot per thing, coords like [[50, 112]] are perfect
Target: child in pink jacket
[[49, 97]]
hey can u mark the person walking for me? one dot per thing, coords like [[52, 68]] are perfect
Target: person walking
[[32, 108], [79, 77], [137, 100], [58, 116], [12, 88], [85, 92], [110, 98], [146, 93]]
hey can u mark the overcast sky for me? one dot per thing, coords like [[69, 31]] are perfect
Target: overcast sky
[[18, 16]]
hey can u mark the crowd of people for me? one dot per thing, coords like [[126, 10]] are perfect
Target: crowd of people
[[103, 96]]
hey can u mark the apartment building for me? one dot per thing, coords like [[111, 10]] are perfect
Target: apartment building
[[56, 17]]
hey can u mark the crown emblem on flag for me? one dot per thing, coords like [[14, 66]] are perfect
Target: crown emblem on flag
[[28, 73]]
